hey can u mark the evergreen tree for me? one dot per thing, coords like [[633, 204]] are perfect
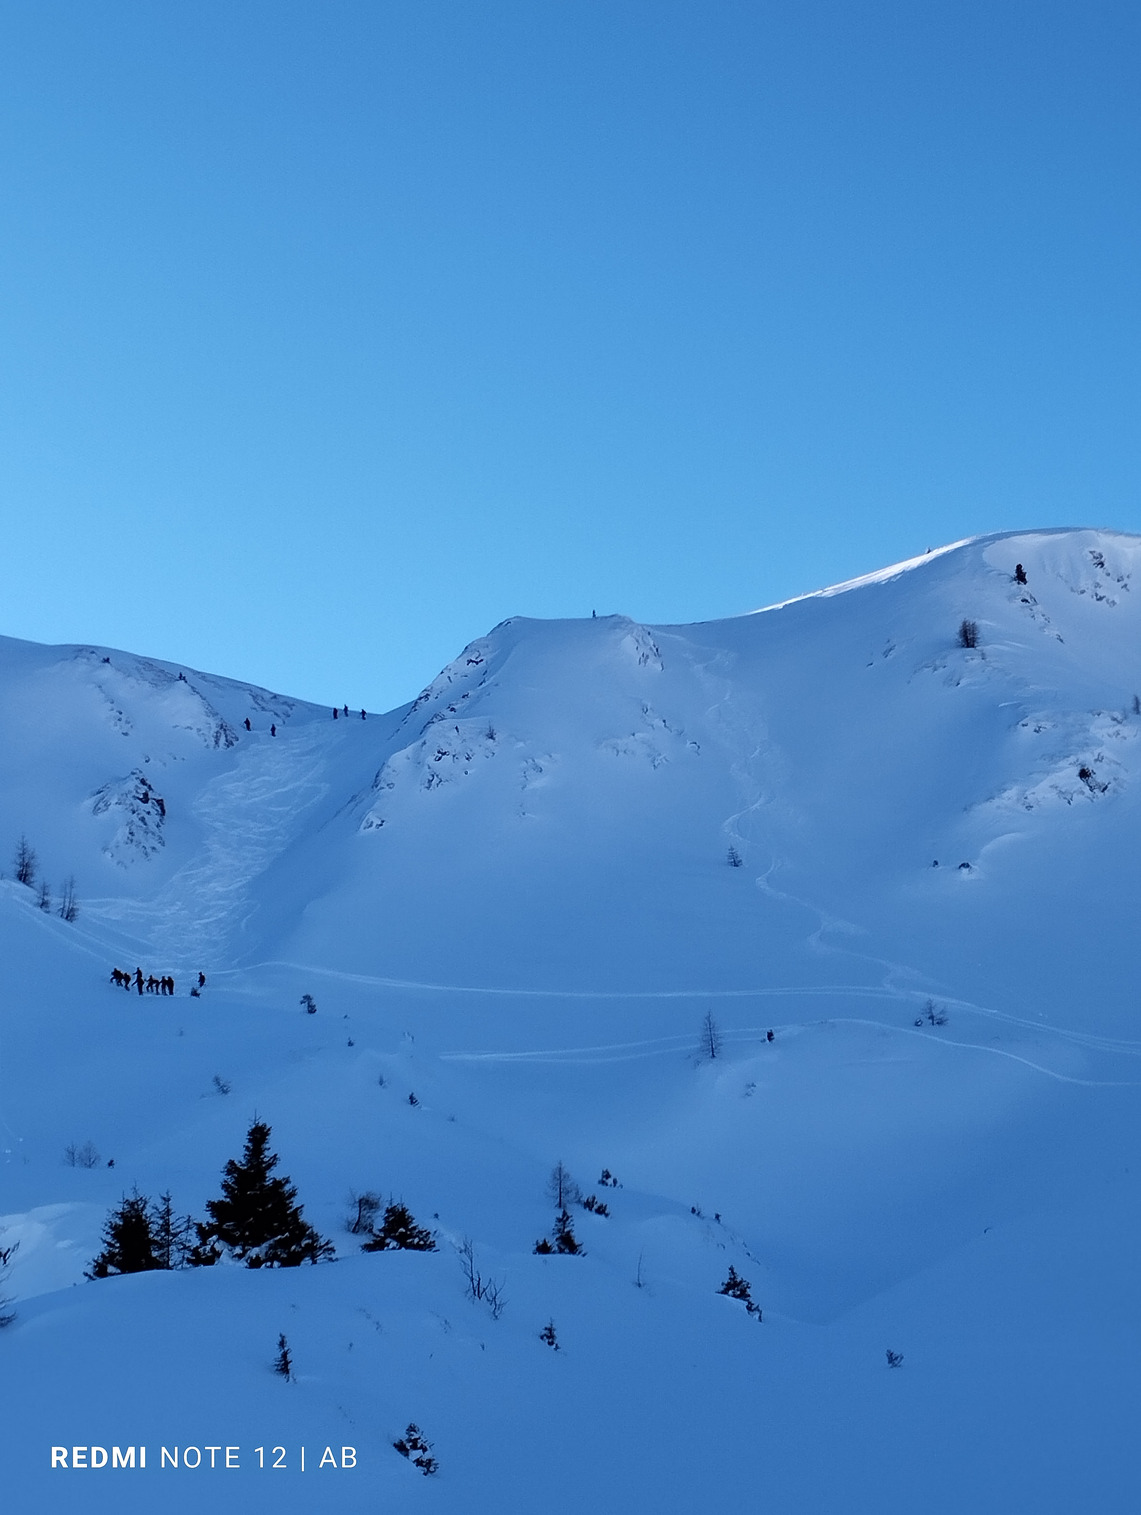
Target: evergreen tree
[[128, 1241], [170, 1233], [737, 1287], [564, 1237], [257, 1220], [549, 1335], [400, 1233]]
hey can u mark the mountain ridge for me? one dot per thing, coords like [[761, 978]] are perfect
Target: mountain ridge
[[513, 901]]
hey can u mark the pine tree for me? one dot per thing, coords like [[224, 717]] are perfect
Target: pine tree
[[283, 1362], [564, 1237], [400, 1233], [170, 1233], [257, 1220], [128, 1242]]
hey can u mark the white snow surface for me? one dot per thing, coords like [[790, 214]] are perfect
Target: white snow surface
[[511, 898]]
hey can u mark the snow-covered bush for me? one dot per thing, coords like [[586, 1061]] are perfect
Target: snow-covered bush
[[737, 1287], [400, 1233], [419, 1451], [547, 1334]]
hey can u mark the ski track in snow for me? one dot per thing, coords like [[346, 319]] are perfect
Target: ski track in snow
[[619, 1053], [614, 1052], [246, 815]]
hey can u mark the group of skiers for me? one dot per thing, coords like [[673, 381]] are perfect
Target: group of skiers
[[337, 714], [150, 984]]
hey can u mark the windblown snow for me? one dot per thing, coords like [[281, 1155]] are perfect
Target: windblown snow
[[519, 902]]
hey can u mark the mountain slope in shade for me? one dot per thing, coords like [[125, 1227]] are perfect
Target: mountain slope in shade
[[513, 900]]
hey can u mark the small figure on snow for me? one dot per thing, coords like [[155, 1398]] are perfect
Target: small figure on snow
[[201, 981], [248, 726], [1019, 574], [273, 731], [336, 712]]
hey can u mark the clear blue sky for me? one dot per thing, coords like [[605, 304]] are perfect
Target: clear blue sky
[[333, 333]]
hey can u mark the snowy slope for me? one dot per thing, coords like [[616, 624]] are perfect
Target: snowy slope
[[512, 899]]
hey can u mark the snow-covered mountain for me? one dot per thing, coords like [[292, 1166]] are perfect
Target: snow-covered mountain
[[517, 899]]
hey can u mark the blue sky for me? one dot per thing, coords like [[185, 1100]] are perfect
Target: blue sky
[[333, 333]]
